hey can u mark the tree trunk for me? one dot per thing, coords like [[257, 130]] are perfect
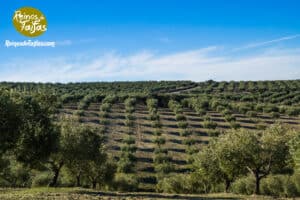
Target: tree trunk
[[94, 184], [53, 182], [78, 184], [227, 185], [56, 171], [257, 184]]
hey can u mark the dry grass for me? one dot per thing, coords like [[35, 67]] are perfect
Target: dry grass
[[87, 194]]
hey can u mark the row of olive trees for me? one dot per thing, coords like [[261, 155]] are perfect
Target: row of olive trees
[[161, 159], [127, 159]]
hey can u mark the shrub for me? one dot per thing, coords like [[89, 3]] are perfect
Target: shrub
[[270, 108], [293, 111], [159, 140], [129, 117], [180, 117], [103, 114], [235, 125], [128, 123], [104, 121], [129, 148], [157, 132], [275, 115], [182, 124], [164, 167], [130, 109], [230, 118], [105, 107], [200, 112], [182, 183], [126, 164], [191, 150], [189, 141], [130, 102], [261, 126], [160, 158], [109, 99], [272, 185], [244, 185], [129, 140], [125, 183], [210, 124], [79, 113], [185, 132], [152, 103], [220, 108], [251, 114], [156, 124], [41, 179], [207, 118], [213, 133], [160, 151], [153, 117], [226, 112]]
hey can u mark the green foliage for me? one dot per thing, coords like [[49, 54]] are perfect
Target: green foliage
[[235, 125], [261, 126], [157, 132], [251, 114], [213, 133], [175, 106], [161, 158], [105, 107], [153, 117], [180, 117], [129, 148], [129, 117], [182, 124], [185, 132], [9, 122], [160, 151], [129, 123], [182, 184], [41, 179], [163, 167], [245, 185], [210, 124], [126, 163], [159, 140], [79, 113], [125, 183], [129, 140], [229, 118], [189, 141], [156, 124], [279, 186], [294, 111]]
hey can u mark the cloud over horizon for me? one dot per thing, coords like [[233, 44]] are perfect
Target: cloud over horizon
[[196, 65]]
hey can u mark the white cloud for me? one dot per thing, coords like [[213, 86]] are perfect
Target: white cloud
[[197, 65]]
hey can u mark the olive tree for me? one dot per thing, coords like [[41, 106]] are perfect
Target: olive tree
[[259, 153]]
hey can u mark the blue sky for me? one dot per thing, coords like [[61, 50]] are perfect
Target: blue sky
[[110, 40]]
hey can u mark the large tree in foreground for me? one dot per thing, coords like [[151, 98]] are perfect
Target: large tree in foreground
[[240, 151], [80, 150], [9, 122]]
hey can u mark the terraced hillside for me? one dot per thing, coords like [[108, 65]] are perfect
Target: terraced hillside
[[179, 131], [154, 129]]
